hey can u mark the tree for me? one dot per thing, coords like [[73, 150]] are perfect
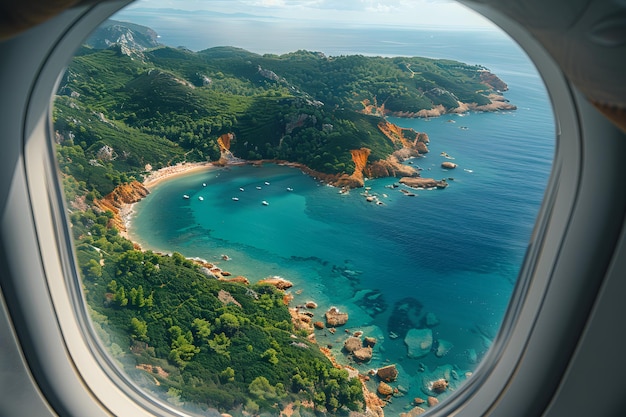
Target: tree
[[228, 375], [228, 323], [139, 329], [182, 347], [220, 344], [202, 328], [271, 356], [120, 296], [260, 387], [93, 269]]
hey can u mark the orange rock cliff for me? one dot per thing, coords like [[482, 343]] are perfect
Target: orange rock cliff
[[122, 194]]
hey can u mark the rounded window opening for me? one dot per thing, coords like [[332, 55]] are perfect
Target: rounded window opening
[[291, 207]]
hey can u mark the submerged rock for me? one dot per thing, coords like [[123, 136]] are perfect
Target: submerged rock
[[419, 342], [415, 411], [443, 347], [431, 320]]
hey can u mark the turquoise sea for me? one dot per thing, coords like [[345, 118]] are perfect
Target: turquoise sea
[[454, 253]]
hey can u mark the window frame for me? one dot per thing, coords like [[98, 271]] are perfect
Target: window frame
[[552, 291]]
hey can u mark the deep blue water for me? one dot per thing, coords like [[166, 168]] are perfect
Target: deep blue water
[[456, 251]]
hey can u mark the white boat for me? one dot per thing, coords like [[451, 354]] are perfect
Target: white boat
[[235, 199], [186, 197], [204, 184], [258, 188], [201, 198], [240, 188], [267, 183], [289, 189], [265, 203]]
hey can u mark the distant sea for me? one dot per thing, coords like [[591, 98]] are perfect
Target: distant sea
[[455, 253]]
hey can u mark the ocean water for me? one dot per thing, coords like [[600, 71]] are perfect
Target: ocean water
[[454, 253]]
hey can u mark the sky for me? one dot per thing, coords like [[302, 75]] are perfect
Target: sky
[[432, 13]]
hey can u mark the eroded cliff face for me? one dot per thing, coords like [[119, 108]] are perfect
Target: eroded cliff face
[[122, 194], [406, 137], [359, 156], [356, 180], [390, 167], [224, 143]]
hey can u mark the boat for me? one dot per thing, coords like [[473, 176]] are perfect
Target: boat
[[185, 196], [240, 188], [258, 188], [201, 198], [204, 184], [289, 189], [267, 183], [225, 257], [235, 199], [265, 203]]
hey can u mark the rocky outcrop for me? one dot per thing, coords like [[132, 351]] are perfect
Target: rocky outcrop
[[387, 373], [419, 182], [390, 167], [278, 282], [448, 165], [363, 354], [335, 318], [493, 81], [419, 342], [122, 194], [352, 343], [239, 279], [384, 389], [301, 321], [439, 386]]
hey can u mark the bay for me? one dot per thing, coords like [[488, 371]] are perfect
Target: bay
[[455, 253]]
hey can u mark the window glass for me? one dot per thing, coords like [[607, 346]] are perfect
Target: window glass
[[300, 207]]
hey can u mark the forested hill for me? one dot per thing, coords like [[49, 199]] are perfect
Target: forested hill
[[163, 105]]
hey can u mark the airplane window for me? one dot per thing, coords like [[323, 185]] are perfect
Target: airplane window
[[283, 207]]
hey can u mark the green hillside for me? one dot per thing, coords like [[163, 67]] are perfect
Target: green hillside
[[301, 107]]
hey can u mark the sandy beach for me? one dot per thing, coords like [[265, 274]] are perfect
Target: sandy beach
[[155, 177]]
